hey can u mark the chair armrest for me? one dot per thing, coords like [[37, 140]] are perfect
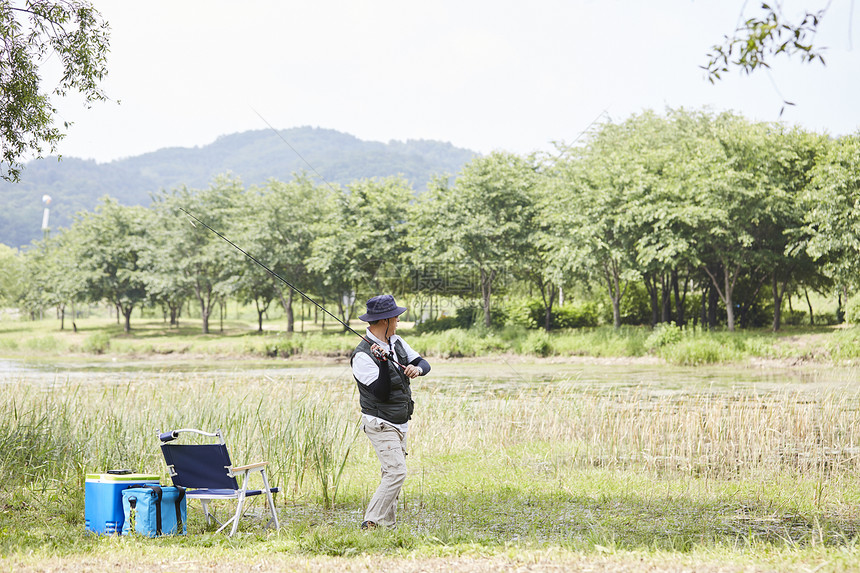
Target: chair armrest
[[249, 467], [245, 473]]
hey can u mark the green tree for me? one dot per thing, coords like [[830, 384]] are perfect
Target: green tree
[[788, 168], [53, 278], [166, 285], [12, 269], [832, 216], [253, 284], [666, 204], [279, 223], [361, 244], [484, 220], [760, 38], [672, 199], [202, 262], [538, 263], [109, 243], [596, 231], [71, 30], [731, 209]]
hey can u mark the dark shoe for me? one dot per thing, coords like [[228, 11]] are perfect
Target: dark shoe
[[368, 525]]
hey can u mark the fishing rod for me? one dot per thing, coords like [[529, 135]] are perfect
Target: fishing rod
[[390, 355], [324, 180], [300, 156]]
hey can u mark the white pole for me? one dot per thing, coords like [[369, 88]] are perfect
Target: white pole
[[46, 199]]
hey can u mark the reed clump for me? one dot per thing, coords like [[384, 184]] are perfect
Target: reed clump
[[51, 436], [720, 434]]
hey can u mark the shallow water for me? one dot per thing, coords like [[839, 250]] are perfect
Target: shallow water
[[497, 375]]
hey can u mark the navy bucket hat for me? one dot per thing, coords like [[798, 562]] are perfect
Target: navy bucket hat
[[381, 307]]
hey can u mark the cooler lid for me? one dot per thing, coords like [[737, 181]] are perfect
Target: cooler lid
[[122, 478]]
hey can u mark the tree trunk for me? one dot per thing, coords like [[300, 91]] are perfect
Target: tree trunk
[[651, 287], [486, 291], [840, 310], [548, 302], [287, 304], [729, 280], [665, 299], [616, 313], [204, 315], [777, 304], [126, 313], [680, 299], [778, 296], [727, 299], [339, 307], [809, 304], [291, 321], [712, 307], [616, 293]]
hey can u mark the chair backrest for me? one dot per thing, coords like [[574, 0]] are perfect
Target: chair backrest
[[199, 465]]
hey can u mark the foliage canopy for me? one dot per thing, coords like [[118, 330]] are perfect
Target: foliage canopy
[[71, 30]]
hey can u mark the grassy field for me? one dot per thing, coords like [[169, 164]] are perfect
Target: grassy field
[[103, 337], [517, 462]]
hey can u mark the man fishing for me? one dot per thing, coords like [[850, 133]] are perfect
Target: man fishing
[[383, 366]]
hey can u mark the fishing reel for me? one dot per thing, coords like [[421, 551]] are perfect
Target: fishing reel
[[380, 353]]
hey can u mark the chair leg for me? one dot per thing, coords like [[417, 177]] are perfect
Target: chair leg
[[226, 523], [241, 503], [239, 508], [205, 504], [270, 500]]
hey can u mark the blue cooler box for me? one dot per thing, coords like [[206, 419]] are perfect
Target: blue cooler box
[[103, 499]]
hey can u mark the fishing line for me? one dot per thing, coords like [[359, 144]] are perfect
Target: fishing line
[[278, 133], [283, 280], [567, 147], [318, 174]]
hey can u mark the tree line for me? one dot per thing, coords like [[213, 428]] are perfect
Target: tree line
[[709, 216]]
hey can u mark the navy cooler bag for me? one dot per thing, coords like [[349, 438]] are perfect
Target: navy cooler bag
[[153, 510]]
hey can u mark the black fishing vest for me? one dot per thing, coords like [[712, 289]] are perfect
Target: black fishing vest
[[398, 408]]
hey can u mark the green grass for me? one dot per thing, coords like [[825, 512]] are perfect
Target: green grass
[[517, 471], [687, 346], [554, 468]]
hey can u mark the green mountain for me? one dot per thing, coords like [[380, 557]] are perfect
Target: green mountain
[[254, 156]]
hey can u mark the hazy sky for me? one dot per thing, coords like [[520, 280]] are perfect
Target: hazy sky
[[482, 74]]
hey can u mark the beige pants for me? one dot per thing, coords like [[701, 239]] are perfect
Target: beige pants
[[390, 446]]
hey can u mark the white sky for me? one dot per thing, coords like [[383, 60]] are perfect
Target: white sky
[[482, 74]]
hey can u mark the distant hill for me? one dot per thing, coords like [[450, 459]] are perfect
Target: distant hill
[[254, 156]]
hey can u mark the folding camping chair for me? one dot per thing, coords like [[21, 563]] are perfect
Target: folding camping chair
[[206, 470]]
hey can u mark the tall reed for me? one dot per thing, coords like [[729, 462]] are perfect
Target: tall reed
[[715, 433], [51, 436]]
